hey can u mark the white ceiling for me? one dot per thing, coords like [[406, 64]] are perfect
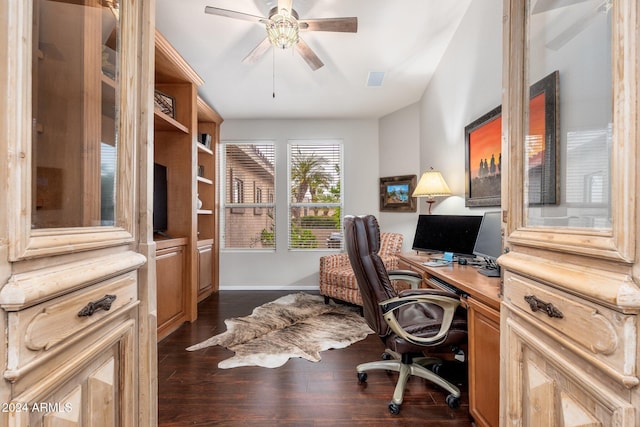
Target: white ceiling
[[403, 38]]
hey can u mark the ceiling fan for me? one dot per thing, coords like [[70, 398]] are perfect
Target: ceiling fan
[[283, 26]]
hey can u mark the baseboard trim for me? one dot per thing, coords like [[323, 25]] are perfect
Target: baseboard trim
[[269, 288]]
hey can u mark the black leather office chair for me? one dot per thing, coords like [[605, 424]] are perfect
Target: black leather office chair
[[409, 323]]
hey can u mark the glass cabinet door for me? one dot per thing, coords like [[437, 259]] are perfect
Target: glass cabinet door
[[568, 119], [75, 75], [568, 126]]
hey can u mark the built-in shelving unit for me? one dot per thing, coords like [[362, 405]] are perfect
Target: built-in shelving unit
[[186, 254]]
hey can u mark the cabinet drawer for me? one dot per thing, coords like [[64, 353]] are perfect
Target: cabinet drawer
[[589, 329], [46, 328]]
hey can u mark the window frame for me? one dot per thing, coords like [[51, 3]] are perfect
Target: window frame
[[238, 204], [314, 205]]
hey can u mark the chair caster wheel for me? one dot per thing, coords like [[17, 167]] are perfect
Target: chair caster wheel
[[394, 408], [453, 401], [386, 356], [362, 377]]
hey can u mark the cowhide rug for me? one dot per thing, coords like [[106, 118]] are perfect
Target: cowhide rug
[[296, 325]]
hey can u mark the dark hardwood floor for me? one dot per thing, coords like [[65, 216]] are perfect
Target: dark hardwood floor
[[193, 391]]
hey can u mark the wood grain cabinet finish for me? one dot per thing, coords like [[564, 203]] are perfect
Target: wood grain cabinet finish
[[77, 296], [185, 143], [569, 318]]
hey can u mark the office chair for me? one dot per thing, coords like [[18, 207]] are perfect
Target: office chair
[[410, 323]]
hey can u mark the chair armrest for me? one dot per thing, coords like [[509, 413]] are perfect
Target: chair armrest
[[447, 301], [411, 277], [333, 261]]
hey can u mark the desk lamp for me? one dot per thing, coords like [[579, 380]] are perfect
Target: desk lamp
[[431, 184]]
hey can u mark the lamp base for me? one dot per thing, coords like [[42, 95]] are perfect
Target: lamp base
[[430, 203]]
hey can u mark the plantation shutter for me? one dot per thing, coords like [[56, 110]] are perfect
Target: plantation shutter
[[248, 221], [315, 194]]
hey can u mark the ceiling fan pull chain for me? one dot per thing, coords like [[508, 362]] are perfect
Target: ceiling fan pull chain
[[274, 72]]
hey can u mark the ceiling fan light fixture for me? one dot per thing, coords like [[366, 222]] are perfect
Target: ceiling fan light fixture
[[282, 29]]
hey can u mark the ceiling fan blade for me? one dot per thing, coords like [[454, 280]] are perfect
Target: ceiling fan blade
[[233, 14], [285, 4], [308, 55], [342, 25], [257, 52]]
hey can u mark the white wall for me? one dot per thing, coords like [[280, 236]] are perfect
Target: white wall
[[430, 133], [299, 269], [466, 85], [399, 145]]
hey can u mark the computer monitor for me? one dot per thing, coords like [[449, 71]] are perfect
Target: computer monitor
[[489, 243], [447, 233]]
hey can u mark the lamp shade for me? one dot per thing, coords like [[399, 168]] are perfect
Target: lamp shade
[[431, 184]]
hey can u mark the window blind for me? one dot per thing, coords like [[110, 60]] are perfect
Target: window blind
[[248, 220]]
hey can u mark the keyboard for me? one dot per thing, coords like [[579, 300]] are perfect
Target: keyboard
[[436, 263], [446, 286]]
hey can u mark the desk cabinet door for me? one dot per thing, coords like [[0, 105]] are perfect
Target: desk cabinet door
[[484, 363]]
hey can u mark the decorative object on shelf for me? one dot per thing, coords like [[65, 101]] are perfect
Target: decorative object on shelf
[[431, 184], [165, 103], [205, 139], [199, 202], [200, 170], [395, 193], [483, 161]]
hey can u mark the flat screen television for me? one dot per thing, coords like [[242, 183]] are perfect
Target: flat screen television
[[447, 233], [489, 243], [160, 220]]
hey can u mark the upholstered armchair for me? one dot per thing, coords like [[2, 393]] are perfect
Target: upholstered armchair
[[338, 281]]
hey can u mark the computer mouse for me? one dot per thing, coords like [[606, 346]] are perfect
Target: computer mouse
[[462, 261]]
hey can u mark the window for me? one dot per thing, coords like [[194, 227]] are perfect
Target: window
[[315, 202], [247, 221], [237, 191]]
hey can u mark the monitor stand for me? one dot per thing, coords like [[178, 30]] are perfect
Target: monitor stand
[[489, 272]]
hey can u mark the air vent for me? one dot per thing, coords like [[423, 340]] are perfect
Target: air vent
[[375, 78]]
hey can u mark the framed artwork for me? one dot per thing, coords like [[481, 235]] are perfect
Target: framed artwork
[[541, 164], [483, 160], [395, 193], [483, 150]]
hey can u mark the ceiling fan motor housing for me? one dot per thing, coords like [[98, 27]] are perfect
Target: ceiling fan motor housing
[[282, 28]]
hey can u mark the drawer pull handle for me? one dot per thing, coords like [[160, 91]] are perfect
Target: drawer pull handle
[[103, 303], [547, 307]]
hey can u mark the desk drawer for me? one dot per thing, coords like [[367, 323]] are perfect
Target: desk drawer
[[593, 331], [49, 326]]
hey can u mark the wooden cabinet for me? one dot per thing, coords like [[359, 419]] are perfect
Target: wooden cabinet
[[569, 325], [171, 269], [483, 324], [191, 202], [77, 326]]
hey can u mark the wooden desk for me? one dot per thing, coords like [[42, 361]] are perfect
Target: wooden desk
[[482, 301]]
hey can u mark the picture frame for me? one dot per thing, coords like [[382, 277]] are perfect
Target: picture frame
[[483, 150], [541, 164], [395, 193], [165, 103], [483, 159]]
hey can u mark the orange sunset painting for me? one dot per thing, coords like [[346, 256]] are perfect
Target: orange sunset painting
[[485, 159]]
